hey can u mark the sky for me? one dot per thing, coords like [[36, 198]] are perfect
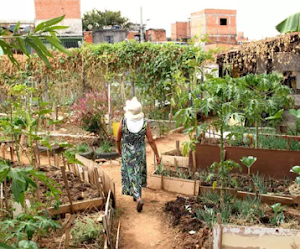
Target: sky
[[256, 18]]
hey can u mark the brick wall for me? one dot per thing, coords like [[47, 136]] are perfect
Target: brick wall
[[157, 35], [47, 9], [209, 22], [173, 31]]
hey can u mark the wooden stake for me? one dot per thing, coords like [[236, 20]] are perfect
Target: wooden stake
[[48, 155], [6, 195], [3, 151], [288, 144], [68, 228], [154, 162], [194, 161], [56, 160], [63, 170], [118, 235], [221, 230], [178, 148], [96, 175], [11, 150]]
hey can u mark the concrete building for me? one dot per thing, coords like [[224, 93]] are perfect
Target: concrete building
[[180, 31], [109, 35], [156, 35], [218, 25], [48, 9]]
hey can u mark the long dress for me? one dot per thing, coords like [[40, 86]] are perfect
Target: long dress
[[133, 169]]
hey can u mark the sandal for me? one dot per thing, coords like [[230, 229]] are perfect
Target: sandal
[[140, 205]]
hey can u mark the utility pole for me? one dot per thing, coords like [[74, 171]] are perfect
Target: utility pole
[[142, 27]]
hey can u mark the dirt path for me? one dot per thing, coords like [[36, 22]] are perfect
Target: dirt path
[[147, 229]]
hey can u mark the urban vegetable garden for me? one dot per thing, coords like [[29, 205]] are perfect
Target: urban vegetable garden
[[57, 113]]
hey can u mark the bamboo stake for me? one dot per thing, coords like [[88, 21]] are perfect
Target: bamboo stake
[[63, 170], [118, 235], [11, 150]]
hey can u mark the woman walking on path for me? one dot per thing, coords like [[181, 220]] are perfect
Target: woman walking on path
[[132, 131]]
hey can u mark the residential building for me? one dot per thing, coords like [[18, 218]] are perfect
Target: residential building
[[156, 35], [112, 35], [180, 31], [48, 9], [218, 25]]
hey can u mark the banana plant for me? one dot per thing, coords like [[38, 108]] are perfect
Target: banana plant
[[44, 31]]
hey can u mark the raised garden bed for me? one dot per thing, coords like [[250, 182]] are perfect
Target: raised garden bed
[[274, 163], [196, 216]]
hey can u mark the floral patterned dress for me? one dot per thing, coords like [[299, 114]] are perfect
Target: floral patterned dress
[[133, 169]]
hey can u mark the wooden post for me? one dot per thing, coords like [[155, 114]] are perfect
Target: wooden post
[[11, 150], [154, 162], [162, 180], [3, 151], [63, 170], [56, 160], [96, 175], [68, 228], [53, 115], [221, 230], [6, 195], [48, 155], [194, 161], [118, 235], [178, 153], [288, 144]]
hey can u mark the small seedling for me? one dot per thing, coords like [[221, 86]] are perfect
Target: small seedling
[[248, 162], [278, 213], [296, 170]]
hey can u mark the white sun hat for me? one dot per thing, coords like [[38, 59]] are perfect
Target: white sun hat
[[133, 109]]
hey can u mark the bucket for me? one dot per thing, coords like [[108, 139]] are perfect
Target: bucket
[[115, 127]]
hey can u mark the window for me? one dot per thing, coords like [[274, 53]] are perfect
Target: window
[[223, 21], [150, 38], [71, 44], [109, 39]]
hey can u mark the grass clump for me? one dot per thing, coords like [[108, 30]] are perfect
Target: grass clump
[[87, 231], [82, 148], [105, 147]]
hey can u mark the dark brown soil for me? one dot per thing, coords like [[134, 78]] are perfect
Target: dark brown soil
[[78, 189], [183, 215]]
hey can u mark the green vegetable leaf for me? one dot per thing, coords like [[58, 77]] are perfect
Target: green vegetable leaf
[[49, 23]]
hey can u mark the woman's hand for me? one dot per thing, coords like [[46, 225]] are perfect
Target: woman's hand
[[158, 160]]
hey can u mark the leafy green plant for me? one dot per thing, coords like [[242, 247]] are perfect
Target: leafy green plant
[[87, 231], [278, 213], [45, 30], [105, 147], [22, 178], [208, 215], [259, 183], [223, 173], [248, 162], [296, 114], [82, 148], [25, 226], [296, 170]]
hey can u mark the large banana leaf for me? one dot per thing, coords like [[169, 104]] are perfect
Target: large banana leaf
[[291, 24]]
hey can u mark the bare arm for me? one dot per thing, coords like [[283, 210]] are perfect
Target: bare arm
[[152, 144], [119, 137]]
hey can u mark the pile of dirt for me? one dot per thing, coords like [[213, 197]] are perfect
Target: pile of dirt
[[193, 232], [79, 190]]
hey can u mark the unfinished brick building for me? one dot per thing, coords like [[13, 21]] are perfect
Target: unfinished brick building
[[180, 31], [156, 35], [218, 24], [48, 9]]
